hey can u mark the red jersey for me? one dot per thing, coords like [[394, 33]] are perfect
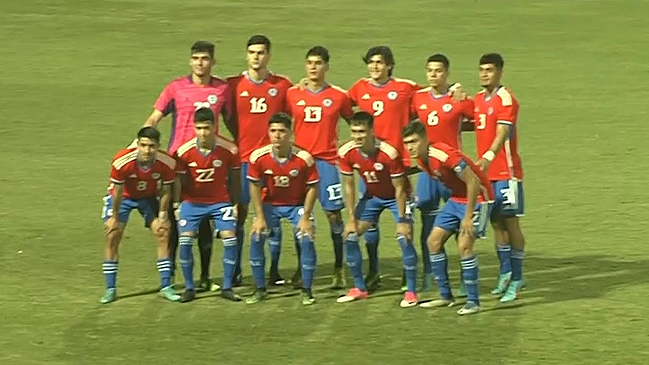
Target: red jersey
[[285, 182], [316, 116], [140, 182], [377, 171], [445, 163], [206, 175], [390, 105], [255, 103], [182, 97], [442, 116], [501, 108]]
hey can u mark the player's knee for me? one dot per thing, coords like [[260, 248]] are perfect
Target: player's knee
[[434, 244], [227, 234], [334, 217]]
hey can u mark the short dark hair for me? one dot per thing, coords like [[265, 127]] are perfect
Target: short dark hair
[[494, 58], [319, 51], [416, 127], [438, 57], [204, 115], [362, 118], [150, 133], [383, 51], [281, 118], [259, 39], [203, 46]]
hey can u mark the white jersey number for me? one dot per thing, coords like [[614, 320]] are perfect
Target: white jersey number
[[433, 119], [312, 114], [205, 175], [378, 107], [258, 105]]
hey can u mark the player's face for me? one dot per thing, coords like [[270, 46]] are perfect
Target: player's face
[[204, 133], [360, 134], [146, 149], [316, 68], [436, 74], [489, 75], [279, 135], [415, 145], [377, 68], [257, 57], [201, 63]]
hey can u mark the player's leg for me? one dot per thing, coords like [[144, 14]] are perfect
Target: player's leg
[[275, 249], [222, 216], [258, 257], [242, 214], [372, 237], [427, 201], [502, 242], [446, 224], [308, 258], [408, 257], [331, 200], [113, 238], [469, 260], [513, 208], [205, 247], [190, 218]]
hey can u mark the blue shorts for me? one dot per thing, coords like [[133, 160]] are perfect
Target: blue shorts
[[244, 196], [428, 193], [510, 200], [453, 212], [148, 208], [191, 215], [370, 208], [329, 188], [275, 213]]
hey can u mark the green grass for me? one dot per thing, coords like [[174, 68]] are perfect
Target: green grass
[[79, 77]]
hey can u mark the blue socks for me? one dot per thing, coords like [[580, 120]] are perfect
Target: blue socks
[[337, 239], [439, 266], [504, 256], [428, 221], [308, 260], [164, 268], [110, 273], [372, 245], [258, 260], [409, 259], [230, 252], [275, 248], [517, 264], [355, 260], [470, 277], [187, 260]]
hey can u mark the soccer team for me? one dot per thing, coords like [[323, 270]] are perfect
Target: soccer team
[[286, 155]]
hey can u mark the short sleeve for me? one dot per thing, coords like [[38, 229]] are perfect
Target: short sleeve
[[344, 165], [254, 173], [165, 102], [312, 175], [346, 108]]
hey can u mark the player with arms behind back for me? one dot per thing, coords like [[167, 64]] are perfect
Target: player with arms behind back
[[208, 185], [496, 114], [388, 99], [387, 187], [257, 94], [317, 110], [444, 118], [181, 98], [290, 178], [136, 175], [466, 212]]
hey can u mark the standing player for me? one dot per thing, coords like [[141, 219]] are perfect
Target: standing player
[[465, 213], [443, 118], [382, 170], [317, 110], [388, 99], [181, 98], [257, 94], [496, 111], [290, 177], [204, 164], [135, 177]]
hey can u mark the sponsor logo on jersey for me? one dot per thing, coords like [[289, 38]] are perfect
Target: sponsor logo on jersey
[[301, 103], [365, 97], [423, 107], [192, 164], [268, 172], [244, 93]]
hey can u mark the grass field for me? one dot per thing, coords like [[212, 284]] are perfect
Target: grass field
[[80, 76]]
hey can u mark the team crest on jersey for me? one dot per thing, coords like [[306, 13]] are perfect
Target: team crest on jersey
[[293, 173], [155, 176], [327, 102], [212, 99], [392, 95], [217, 163], [378, 166], [447, 108], [272, 91], [490, 111]]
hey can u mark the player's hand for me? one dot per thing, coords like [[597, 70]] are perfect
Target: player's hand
[[111, 225], [177, 211], [305, 227], [458, 93], [350, 227], [483, 164], [259, 227], [302, 84], [404, 229], [467, 227], [235, 211]]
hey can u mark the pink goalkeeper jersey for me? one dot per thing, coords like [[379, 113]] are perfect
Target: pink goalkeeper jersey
[[182, 97]]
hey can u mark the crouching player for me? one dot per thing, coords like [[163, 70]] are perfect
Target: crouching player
[[135, 177], [383, 172], [209, 185], [469, 188], [290, 178]]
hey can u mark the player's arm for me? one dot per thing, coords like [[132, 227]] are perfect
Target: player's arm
[[400, 194], [165, 199], [468, 122], [154, 119], [472, 182], [502, 132], [310, 198], [118, 196], [349, 195]]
